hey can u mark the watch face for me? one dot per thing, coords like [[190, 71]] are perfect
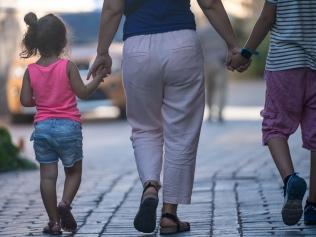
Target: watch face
[[246, 53]]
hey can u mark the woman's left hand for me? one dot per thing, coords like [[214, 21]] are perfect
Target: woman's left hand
[[104, 62]]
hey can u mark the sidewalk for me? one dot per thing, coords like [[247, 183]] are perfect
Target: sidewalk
[[237, 189]]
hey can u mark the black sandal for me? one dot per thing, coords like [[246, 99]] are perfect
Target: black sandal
[[174, 229], [145, 219]]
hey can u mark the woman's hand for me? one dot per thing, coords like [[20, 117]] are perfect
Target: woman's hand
[[231, 52], [103, 64], [100, 75]]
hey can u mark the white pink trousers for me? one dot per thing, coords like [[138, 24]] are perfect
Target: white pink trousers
[[164, 85]]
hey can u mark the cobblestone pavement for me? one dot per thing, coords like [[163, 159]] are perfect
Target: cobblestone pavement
[[237, 190]]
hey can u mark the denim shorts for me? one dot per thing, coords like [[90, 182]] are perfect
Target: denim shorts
[[56, 139]]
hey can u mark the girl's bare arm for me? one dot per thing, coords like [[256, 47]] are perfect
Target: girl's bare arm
[[26, 97], [262, 26], [259, 32], [80, 89]]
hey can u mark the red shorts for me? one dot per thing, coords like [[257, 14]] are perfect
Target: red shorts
[[290, 102]]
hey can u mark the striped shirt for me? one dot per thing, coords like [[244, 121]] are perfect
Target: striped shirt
[[293, 36]]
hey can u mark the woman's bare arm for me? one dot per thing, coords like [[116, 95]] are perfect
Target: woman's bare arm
[[111, 16], [216, 14]]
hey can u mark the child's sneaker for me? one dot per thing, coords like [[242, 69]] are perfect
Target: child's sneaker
[[52, 228], [68, 222], [293, 195], [310, 214]]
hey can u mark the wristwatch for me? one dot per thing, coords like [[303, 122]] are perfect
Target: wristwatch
[[247, 53]]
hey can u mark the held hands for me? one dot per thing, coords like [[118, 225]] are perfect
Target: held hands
[[100, 75], [237, 62], [101, 66]]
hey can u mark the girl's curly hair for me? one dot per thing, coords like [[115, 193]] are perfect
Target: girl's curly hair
[[47, 35]]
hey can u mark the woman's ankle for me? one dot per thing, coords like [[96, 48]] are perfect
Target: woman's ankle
[[169, 208], [151, 188], [153, 183]]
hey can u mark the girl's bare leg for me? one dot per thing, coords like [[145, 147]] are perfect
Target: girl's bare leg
[[72, 182], [49, 173]]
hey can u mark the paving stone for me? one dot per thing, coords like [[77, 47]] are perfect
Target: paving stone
[[237, 190]]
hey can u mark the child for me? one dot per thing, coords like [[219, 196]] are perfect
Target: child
[[51, 84], [291, 94]]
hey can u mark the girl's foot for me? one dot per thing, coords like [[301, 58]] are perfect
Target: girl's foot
[[52, 228], [170, 224], [68, 222], [145, 220]]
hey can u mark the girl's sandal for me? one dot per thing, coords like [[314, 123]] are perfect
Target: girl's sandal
[[179, 228], [52, 228], [145, 219], [68, 222]]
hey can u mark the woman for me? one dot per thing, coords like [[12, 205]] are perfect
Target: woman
[[164, 86]]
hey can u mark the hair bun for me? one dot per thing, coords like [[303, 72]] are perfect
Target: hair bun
[[30, 19]]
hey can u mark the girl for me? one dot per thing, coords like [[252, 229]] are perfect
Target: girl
[[291, 94], [51, 84]]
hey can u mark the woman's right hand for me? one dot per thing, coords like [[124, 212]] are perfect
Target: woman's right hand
[[103, 64], [230, 53]]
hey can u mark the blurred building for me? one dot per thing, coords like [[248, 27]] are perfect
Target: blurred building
[[51, 5], [9, 33], [12, 26], [243, 8], [241, 12], [236, 8]]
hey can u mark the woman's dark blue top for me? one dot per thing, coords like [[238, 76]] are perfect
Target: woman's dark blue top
[[159, 16]]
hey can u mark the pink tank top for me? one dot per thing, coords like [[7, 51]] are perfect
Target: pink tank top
[[54, 97]]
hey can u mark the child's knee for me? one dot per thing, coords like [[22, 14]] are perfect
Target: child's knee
[[309, 140], [279, 124], [76, 169], [49, 176], [49, 172]]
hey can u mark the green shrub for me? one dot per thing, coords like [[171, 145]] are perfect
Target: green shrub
[[10, 156]]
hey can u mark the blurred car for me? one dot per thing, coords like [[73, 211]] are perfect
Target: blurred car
[[83, 27]]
